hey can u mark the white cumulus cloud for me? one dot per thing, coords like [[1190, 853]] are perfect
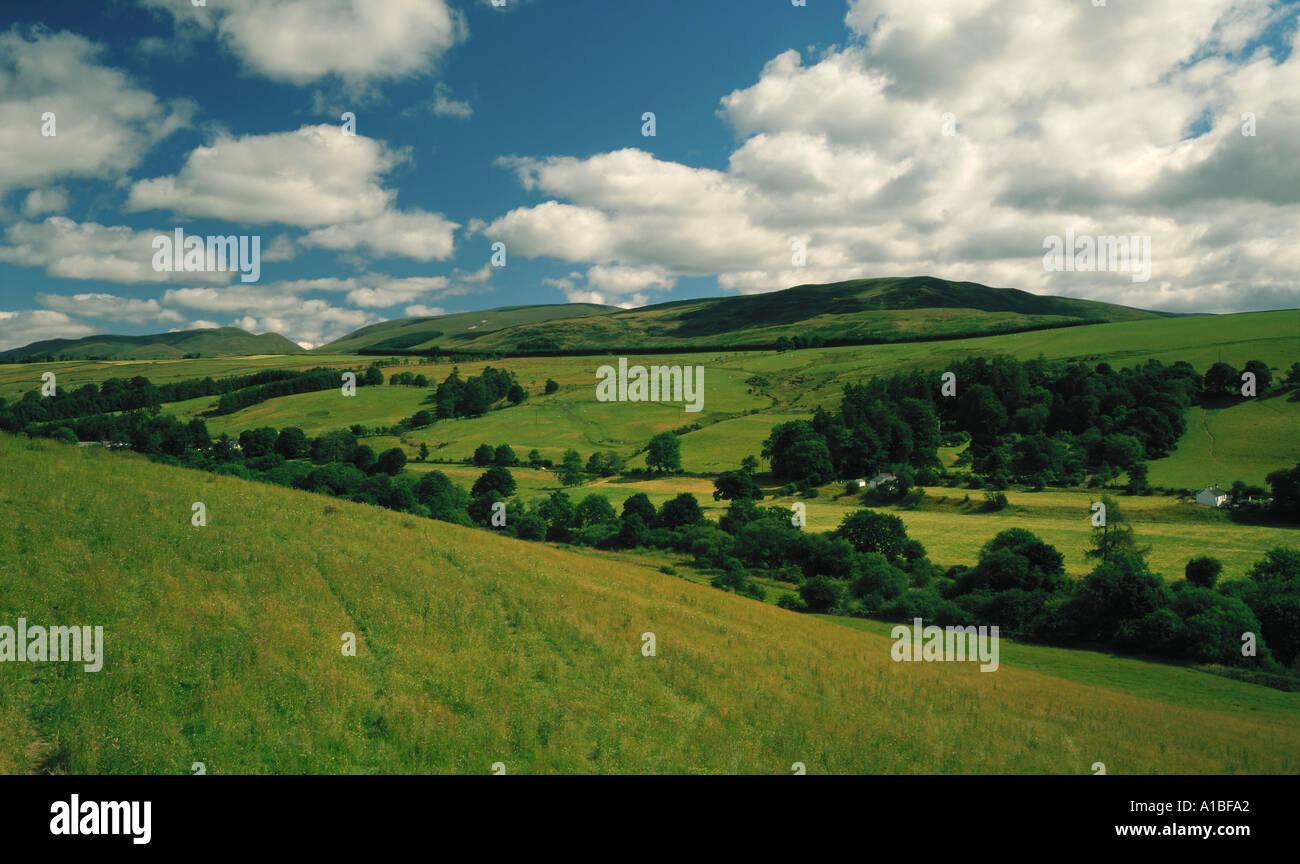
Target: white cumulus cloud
[[302, 41], [952, 139]]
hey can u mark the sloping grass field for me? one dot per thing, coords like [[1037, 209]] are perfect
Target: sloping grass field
[[1242, 440], [223, 647]]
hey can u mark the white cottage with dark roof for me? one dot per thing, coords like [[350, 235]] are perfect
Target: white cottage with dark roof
[[1211, 496]]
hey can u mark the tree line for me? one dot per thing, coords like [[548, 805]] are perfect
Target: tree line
[[474, 396], [310, 381], [1037, 422], [868, 566], [122, 394]]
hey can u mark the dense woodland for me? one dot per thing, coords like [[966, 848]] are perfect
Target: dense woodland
[[1036, 422], [474, 396], [128, 394], [312, 381]]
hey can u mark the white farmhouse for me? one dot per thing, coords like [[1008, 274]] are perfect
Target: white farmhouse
[[880, 479], [1211, 496]]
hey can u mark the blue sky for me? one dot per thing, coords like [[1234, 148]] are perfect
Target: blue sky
[[777, 125]]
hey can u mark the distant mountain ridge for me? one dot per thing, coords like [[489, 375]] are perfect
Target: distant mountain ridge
[[865, 310], [204, 342], [859, 310], [418, 333]]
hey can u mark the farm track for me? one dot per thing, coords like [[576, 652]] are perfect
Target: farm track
[[1206, 426]]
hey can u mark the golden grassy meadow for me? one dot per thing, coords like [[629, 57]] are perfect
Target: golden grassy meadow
[[223, 647]]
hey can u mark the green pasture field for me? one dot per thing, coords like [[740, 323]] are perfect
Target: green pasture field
[[223, 645], [1176, 685], [1244, 440]]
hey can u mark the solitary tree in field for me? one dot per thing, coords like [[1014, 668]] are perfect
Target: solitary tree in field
[[731, 485], [611, 464], [1137, 479], [1203, 571], [571, 473], [664, 454], [1116, 537], [869, 531], [496, 481], [605, 464]]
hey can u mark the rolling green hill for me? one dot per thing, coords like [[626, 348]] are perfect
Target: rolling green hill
[[890, 309], [223, 646], [421, 333], [208, 342]]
